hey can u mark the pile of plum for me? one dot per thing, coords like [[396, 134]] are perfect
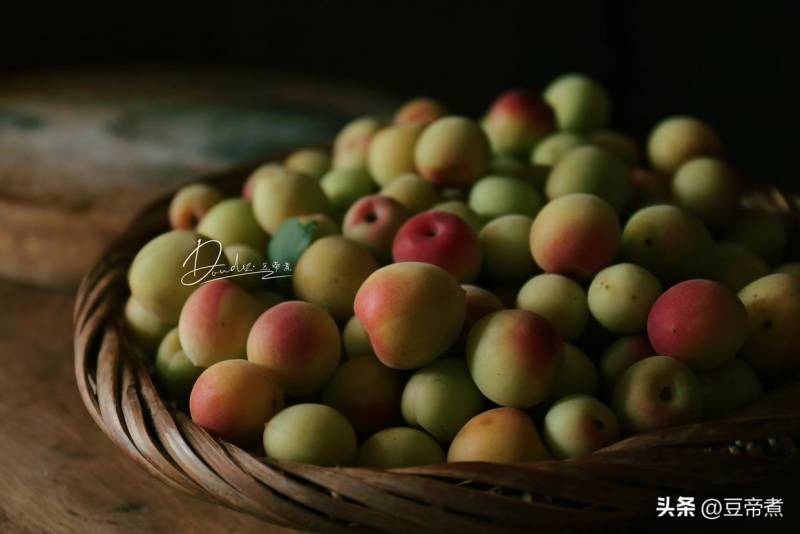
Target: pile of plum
[[434, 288]]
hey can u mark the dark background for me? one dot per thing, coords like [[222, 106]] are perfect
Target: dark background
[[733, 63]]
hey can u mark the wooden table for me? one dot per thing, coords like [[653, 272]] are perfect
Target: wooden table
[[58, 472]]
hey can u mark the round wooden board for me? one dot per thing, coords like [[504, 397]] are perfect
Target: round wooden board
[[82, 150]]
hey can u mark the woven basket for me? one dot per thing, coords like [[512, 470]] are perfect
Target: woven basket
[[740, 456]]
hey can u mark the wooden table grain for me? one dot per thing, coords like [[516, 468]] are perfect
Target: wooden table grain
[[58, 472]]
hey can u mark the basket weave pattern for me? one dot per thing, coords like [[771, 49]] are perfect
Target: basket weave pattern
[[756, 448]]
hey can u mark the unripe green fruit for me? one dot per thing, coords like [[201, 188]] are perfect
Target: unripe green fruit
[[312, 434], [398, 447], [620, 297], [440, 398]]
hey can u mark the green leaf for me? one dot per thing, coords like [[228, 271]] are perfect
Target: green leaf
[[289, 243]]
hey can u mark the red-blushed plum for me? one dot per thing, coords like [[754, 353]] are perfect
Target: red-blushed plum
[[399, 447], [144, 327], [622, 146], [480, 303], [699, 322], [190, 204], [676, 140], [422, 110], [298, 343], [313, 162], [763, 233], [442, 239], [174, 371], [553, 147], [244, 259], [373, 222], [578, 425], [591, 170], [233, 399], [620, 355], [558, 299], [501, 435], [735, 265], [367, 393], [391, 152], [355, 339], [215, 322], [310, 434], [657, 392], [460, 208], [505, 250], [514, 357], [494, 196], [516, 121], [728, 387], [577, 374], [345, 186], [773, 312], [620, 297], [413, 312], [160, 272], [708, 188], [440, 398], [575, 235], [330, 272], [650, 187], [668, 241], [232, 222], [580, 103], [282, 194], [351, 146], [414, 193], [452, 152]]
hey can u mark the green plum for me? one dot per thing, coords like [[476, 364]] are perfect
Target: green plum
[[493, 196], [553, 147], [505, 249], [398, 447], [440, 397], [620, 297], [708, 188], [588, 169], [312, 434], [558, 299], [581, 104]]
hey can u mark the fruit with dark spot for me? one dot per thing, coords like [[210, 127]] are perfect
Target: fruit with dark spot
[[773, 311], [657, 392], [578, 425], [699, 322], [620, 297]]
